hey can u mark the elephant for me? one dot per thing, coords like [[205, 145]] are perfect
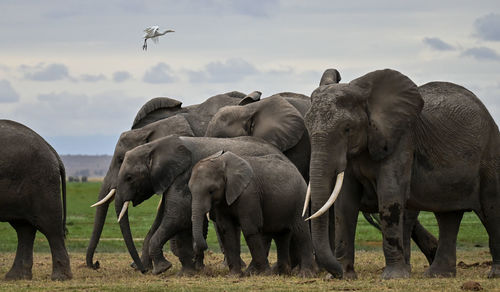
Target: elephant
[[394, 147], [262, 195], [163, 167], [188, 121], [279, 120], [32, 176]]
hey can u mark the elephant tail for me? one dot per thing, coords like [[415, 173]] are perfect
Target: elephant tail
[[373, 219], [62, 172]]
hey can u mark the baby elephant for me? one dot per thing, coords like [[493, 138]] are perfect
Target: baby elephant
[[31, 174], [263, 196]]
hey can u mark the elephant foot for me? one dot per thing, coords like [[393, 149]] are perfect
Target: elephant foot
[[494, 272], [306, 273], [278, 269], [61, 276], [397, 271], [161, 266], [186, 272], [435, 271], [350, 275], [94, 266], [147, 266], [199, 265], [14, 275], [264, 270]]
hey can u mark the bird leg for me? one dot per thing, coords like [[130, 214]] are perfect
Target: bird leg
[[145, 46]]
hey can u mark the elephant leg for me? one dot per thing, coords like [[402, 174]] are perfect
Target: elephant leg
[[346, 210], [23, 262], [331, 228], [219, 239], [252, 268], [230, 238], [410, 218], [490, 203], [166, 230], [61, 269], [302, 250], [444, 264], [145, 258], [425, 241], [184, 241], [283, 253], [255, 242]]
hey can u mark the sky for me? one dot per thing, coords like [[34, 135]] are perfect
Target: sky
[[75, 71]]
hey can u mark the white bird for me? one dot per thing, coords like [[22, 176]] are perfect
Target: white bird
[[153, 32]]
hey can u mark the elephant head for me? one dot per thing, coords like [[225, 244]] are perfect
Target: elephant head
[[218, 179], [127, 141], [273, 119], [370, 114], [146, 170]]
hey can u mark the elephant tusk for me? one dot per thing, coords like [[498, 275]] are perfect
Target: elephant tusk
[[308, 198], [208, 216], [123, 211], [159, 204], [333, 197], [105, 199]]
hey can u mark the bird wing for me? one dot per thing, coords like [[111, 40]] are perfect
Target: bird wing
[[155, 39], [150, 31]]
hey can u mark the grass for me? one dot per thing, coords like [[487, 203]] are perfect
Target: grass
[[116, 274]]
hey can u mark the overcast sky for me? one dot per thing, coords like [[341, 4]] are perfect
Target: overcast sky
[[75, 71]]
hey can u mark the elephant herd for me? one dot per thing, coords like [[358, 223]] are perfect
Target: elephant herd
[[289, 168]]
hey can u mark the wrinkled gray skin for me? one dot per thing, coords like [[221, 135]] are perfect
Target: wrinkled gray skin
[[164, 167], [263, 196], [189, 121], [31, 175], [278, 119], [433, 147]]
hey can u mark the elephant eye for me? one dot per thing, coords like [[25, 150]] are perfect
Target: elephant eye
[[347, 130], [128, 178]]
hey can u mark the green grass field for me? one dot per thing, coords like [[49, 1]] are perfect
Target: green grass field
[[116, 275], [81, 217]]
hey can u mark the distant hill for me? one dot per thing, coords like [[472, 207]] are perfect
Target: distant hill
[[91, 166]]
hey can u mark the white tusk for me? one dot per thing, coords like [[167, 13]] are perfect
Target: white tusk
[[333, 197], [208, 216], [123, 211], [105, 199], [308, 198], [159, 204]]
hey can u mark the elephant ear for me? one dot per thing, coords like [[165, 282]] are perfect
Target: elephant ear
[[153, 106], [330, 76], [238, 173], [393, 103], [277, 122], [168, 159], [252, 97]]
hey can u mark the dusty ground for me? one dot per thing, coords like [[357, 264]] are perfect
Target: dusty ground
[[116, 275]]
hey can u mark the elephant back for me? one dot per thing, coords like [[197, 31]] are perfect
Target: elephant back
[[156, 109]]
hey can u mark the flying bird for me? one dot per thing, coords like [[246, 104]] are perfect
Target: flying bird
[[153, 32]]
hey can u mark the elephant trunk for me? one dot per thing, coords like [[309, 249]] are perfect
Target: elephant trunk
[[127, 234], [198, 218], [321, 184], [99, 219]]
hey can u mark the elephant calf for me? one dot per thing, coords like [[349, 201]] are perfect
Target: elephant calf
[[30, 176], [263, 196]]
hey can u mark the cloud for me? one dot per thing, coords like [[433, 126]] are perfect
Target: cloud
[[92, 78], [232, 70], [438, 44], [7, 93], [79, 114], [42, 72], [160, 73], [482, 53], [488, 27], [120, 76]]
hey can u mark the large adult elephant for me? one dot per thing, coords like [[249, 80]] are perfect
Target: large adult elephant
[[164, 167], [31, 178], [278, 119], [189, 121], [386, 143]]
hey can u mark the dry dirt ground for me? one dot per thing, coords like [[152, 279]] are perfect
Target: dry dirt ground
[[115, 274]]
